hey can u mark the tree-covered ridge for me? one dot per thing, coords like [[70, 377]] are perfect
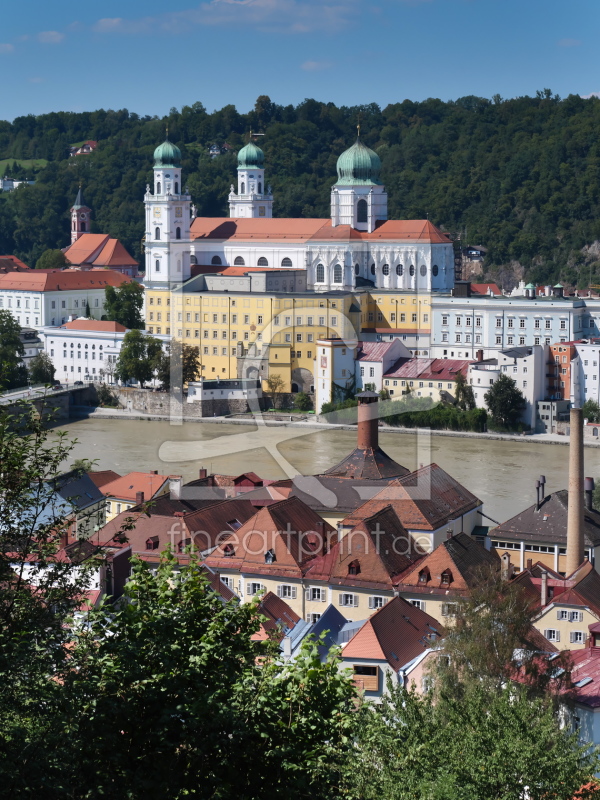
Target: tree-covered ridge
[[521, 176]]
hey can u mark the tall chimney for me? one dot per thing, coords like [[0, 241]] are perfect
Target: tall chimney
[[542, 485], [544, 596], [479, 355], [537, 495], [588, 487], [139, 498], [202, 473], [368, 419], [575, 509]]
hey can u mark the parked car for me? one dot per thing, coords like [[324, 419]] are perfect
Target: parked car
[[78, 383]]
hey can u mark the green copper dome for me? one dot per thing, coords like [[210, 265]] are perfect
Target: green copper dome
[[358, 165], [250, 157], [167, 155]]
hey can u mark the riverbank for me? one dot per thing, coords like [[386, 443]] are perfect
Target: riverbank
[[85, 412]]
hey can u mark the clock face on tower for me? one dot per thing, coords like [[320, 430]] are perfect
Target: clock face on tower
[[157, 212], [178, 212]]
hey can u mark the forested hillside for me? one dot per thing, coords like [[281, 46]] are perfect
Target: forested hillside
[[520, 176]]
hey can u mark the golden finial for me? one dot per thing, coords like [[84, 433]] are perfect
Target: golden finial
[[167, 130], [358, 126]]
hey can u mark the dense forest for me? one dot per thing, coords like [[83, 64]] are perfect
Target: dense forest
[[520, 176]]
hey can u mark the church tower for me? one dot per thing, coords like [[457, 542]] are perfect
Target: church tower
[[168, 218], [253, 199], [358, 198], [81, 216]]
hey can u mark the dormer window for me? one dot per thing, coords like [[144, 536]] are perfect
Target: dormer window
[[152, 543], [446, 577], [424, 576], [229, 551], [234, 524], [353, 568], [312, 542], [270, 557]]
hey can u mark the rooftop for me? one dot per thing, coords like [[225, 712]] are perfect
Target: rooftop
[[54, 280]]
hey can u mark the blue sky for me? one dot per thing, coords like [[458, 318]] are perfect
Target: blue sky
[[149, 56]]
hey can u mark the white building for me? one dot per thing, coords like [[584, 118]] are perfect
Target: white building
[[84, 349], [585, 371], [39, 298], [374, 359], [253, 198], [525, 365]]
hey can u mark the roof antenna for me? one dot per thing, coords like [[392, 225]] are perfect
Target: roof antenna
[[358, 126]]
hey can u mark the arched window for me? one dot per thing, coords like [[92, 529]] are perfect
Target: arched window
[[176, 187], [243, 188], [157, 233], [423, 270], [216, 260], [193, 260], [399, 269], [435, 270], [386, 269], [259, 187], [157, 265], [83, 227], [362, 211], [411, 270], [239, 262], [158, 187], [338, 275], [286, 262], [262, 262], [178, 233], [372, 269], [320, 275]]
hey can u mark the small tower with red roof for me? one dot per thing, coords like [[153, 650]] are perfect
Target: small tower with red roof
[[81, 216]]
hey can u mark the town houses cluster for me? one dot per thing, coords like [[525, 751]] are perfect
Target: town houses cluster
[[329, 306]]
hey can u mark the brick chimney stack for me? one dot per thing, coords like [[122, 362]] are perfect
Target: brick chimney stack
[[575, 509], [368, 420]]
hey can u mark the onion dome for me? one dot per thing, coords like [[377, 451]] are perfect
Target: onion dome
[[358, 165], [251, 156], [167, 155]]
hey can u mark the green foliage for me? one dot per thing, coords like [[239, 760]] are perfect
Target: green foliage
[[124, 305], [82, 465], [13, 373], [591, 411], [476, 747], [106, 397], [52, 259], [441, 418], [521, 175], [302, 402], [137, 357], [41, 368], [275, 384], [341, 412], [177, 364], [505, 402], [463, 393]]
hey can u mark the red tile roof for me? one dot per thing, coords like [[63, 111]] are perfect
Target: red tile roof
[[486, 288], [129, 485], [586, 664], [83, 324], [40, 280], [428, 369], [397, 633], [102, 477], [278, 617], [372, 351], [12, 264], [99, 250]]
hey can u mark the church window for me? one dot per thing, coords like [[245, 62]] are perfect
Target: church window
[[423, 270], [74, 226], [178, 233], [386, 269], [286, 262], [337, 274], [399, 269], [320, 273], [176, 187], [356, 269], [262, 262], [362, 211], [193, 260], [158, 187], [435, 270], [411, 270], [372, 269], [259, 187], [216, 260], [243, 188], [83, 227], [157, 265], [157, 233], [239, 261]]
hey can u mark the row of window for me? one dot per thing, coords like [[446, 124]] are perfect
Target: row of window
[[499, 322], [63, 303], [439, 384], [575, 637]]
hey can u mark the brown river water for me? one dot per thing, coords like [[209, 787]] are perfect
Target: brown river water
[[501, 473]]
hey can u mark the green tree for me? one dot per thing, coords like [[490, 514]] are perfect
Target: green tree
[[275, 384], [88, 313], [41, 368], [170, 690], [505, 402], [137, 357], [13, 373], [463, 393], [505, 746], [52, 259], [179, 361], [124, 305], [82, 465], [591, 411], [302, 401]]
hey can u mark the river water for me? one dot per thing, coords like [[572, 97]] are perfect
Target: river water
[[501, 473]]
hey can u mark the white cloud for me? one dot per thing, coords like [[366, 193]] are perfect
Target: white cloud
[[569, 42], [315, 66], [591, 94], [50, 37], [6, 48], [291, 16]]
